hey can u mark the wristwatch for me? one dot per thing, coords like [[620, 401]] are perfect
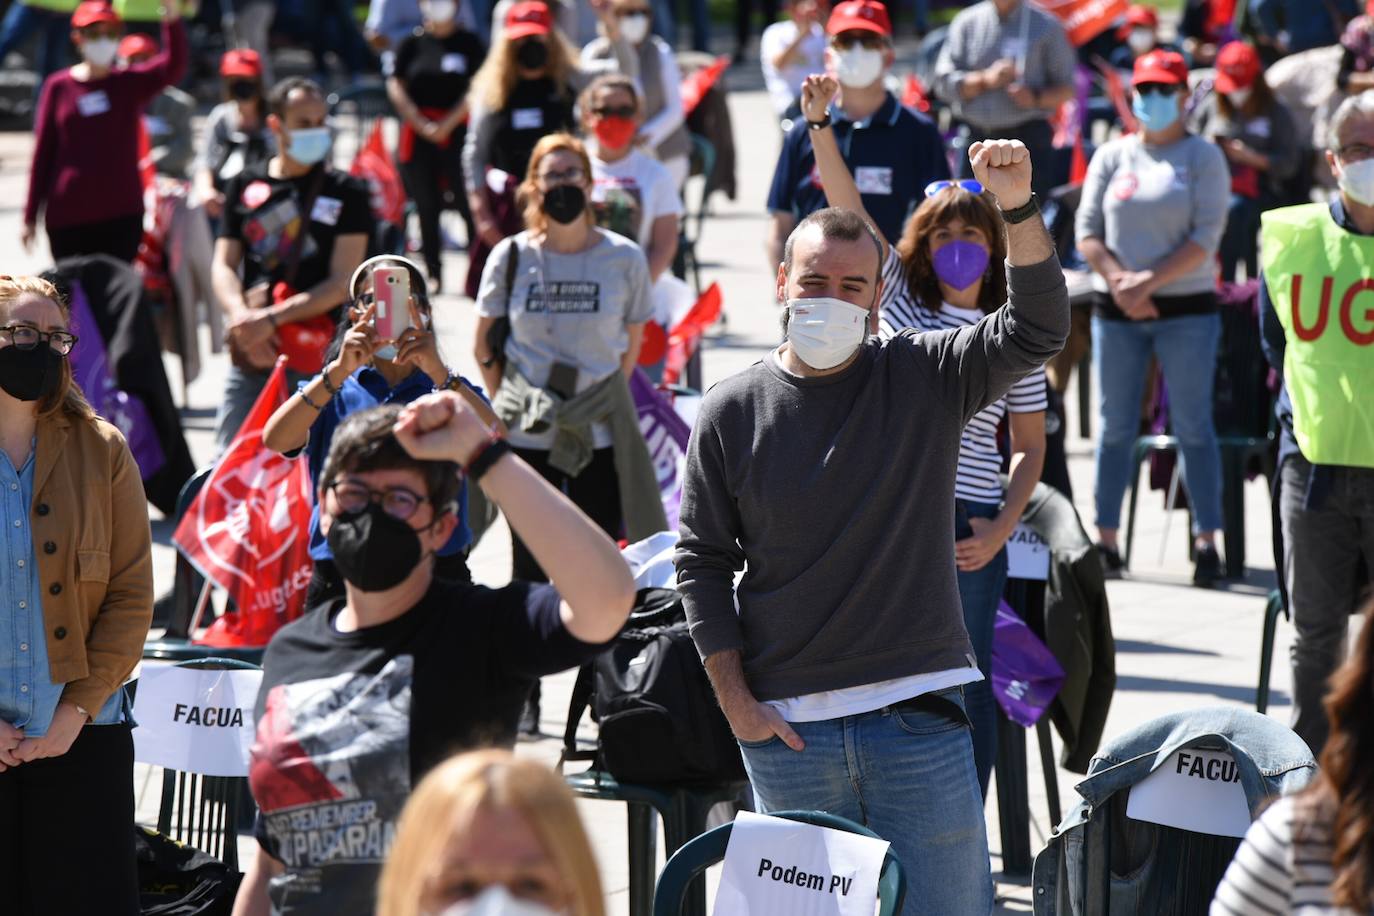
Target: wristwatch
[[822, 124], [1023, 212]]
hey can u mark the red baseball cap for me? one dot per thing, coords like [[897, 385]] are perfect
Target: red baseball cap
[[528, 18], [92, 12], [1237, 66], [243, 62], [859, 15], [136, 45], [1160, 67], [1143, 17]]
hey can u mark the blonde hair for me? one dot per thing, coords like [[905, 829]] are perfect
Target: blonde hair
[[528, 195], [496, 78], [453, 793], [66, 397]]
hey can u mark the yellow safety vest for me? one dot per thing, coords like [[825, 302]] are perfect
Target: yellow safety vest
[[56, 6], [140, 10], [1321, 282]]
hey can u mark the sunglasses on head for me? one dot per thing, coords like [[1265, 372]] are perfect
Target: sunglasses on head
[[968, 184]]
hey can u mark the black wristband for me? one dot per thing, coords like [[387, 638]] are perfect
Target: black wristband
[[491, 453], [328, 385], [1021, 213], [822, 124]]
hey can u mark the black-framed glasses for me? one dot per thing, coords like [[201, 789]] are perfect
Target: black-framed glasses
[[26, 337], [968, 184], [571, 175], [398, 502], [616, 111], [1355, 152]]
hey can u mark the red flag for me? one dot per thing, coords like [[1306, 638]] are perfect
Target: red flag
[[248, 529], [683, 339], [373, 162], [1084, 20], [700, 82], [914, 94]]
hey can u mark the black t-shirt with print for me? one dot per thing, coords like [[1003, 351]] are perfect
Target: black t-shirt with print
[[347, 723], [534, 108], [264, 214], [436, 72]]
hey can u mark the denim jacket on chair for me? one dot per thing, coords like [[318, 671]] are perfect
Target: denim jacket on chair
[[1271, 760]]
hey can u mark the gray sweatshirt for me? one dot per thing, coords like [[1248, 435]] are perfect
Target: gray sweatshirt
[[836, 495]]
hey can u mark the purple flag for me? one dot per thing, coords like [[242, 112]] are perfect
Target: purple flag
[[666, 435], [1026, 676], [91, 369]]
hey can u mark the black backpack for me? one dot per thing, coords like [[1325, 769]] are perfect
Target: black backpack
[[657, 714], [178, 880]]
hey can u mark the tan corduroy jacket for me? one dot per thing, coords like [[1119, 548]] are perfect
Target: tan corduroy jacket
[[90, 533]]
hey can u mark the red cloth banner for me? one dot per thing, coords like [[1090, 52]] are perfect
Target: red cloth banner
[[248, 529], [1084, 20], [700, 82], [373, 162], [684, 339]]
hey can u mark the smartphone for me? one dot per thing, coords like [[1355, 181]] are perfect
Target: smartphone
[[563, 380], [391, 294]]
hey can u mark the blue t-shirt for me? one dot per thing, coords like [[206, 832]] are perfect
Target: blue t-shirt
[[363, 389], [893, 154]]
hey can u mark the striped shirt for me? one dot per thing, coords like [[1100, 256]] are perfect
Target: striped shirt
[[980, 460], [1274, 873]]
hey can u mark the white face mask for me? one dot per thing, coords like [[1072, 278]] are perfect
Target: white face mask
[[1140, 40], [858, 66], [100, 52], [1357, 181], [441, 10], [825, 332], [634, 28], [1239, 97], [497, 901]]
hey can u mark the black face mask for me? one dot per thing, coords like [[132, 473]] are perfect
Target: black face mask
[[30, 375], [532, 55], [373, 550], [242, 90], [565, 203]]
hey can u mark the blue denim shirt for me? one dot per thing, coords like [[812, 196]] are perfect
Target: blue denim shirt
[[28, 696], [1271, 759]]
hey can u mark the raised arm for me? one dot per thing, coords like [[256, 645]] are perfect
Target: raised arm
[[818, 91]]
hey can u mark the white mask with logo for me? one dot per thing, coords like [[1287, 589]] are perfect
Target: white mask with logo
[[858, 66], [100, 52], [1357, 181], [825, 332], [634, 28], [497, 901], [1140, 41]]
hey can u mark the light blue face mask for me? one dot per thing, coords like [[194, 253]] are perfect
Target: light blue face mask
[[309, 145], [1155, 111]]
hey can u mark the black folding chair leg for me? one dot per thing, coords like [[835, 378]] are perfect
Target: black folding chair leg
[[1272, 609], [642, 832]]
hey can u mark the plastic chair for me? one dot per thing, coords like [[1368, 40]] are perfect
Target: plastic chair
[[206, 811], [683, 810], [692, 860]]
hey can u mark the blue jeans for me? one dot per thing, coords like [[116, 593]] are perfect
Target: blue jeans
[[1186, 348], [905, 773], [21, 21], [980, 592]]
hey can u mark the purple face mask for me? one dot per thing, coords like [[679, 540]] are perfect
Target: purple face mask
[[959, 264]]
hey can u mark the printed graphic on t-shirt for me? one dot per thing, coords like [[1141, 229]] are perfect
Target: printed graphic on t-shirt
[[564, 297], [93, 103], [619, 206], [331, 772], [272, 229]]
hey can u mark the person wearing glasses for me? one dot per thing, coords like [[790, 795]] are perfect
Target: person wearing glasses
[[364, 694], [362, 371], [1150, 222], [654, 68], [942, 275], [1317, 334], [84, 175], [1005, 67], [892, 151], [77, 603]]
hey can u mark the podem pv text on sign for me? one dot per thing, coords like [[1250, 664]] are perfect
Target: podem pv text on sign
[[774, 865], [196, 720]]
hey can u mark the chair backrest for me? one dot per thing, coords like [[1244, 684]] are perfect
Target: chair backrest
[[187, 582], [690, 862], [206, 811]]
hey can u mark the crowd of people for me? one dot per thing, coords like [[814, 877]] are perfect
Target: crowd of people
[[921, 261]]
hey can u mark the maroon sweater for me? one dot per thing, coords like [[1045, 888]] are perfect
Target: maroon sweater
[[85, 154]]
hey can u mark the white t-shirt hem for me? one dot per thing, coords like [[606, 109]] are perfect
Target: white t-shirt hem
[[854, 701]]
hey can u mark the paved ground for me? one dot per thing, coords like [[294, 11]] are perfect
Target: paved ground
[[1178, 648]]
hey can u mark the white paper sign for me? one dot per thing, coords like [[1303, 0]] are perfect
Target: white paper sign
[[777, 866], [1193, 790], [195, 720], [1028, 556]]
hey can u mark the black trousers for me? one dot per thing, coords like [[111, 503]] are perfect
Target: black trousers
[[118, 237], [428, 164], [67, 829], [596, 491]]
